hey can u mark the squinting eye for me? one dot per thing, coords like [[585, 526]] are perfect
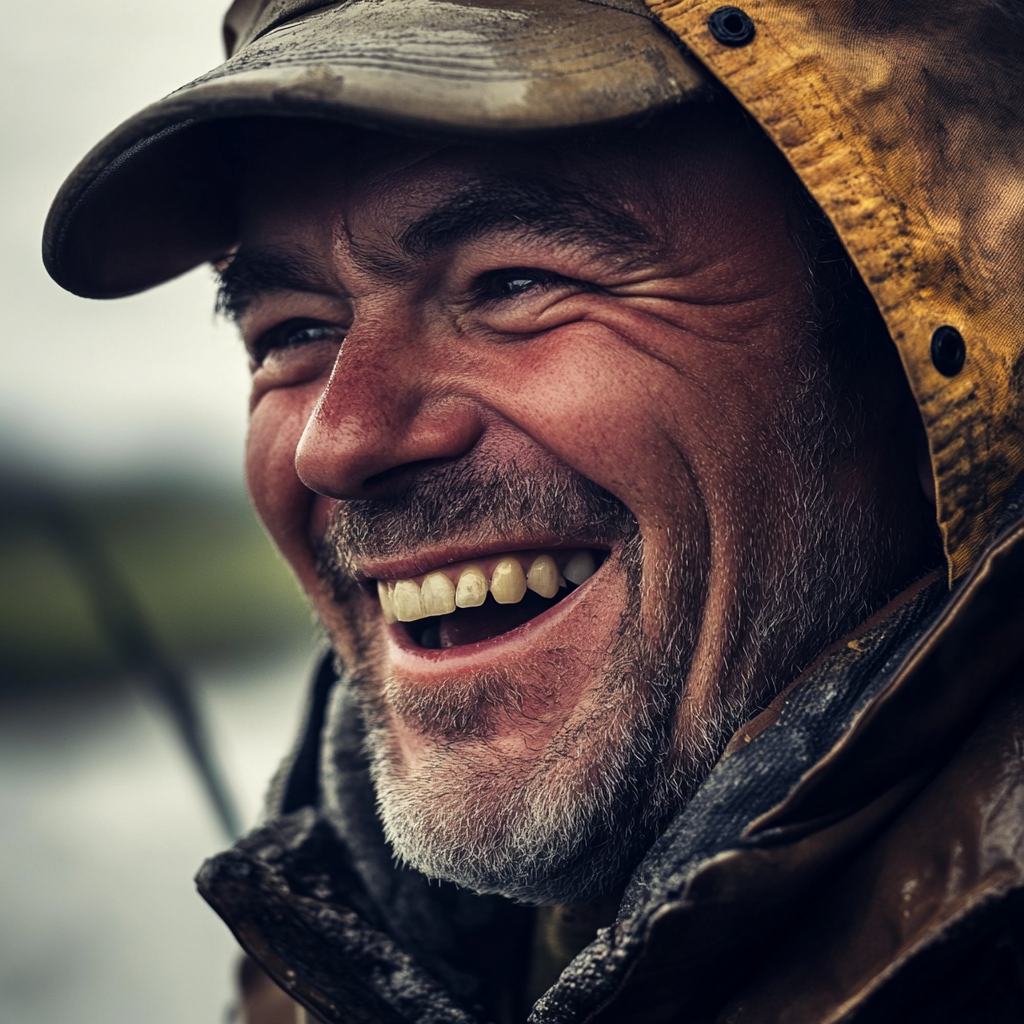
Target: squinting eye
[[293, 334], [508, 283]]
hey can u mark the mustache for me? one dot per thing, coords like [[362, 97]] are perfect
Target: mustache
[[456, 502]]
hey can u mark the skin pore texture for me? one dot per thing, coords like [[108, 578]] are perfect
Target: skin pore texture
[[613, 345]]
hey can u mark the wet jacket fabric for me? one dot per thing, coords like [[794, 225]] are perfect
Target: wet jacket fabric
[[856, 855]]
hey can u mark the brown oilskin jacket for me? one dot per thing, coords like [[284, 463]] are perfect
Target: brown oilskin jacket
[[857, 855]]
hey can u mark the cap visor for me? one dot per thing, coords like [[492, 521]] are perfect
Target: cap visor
[[153, 199]]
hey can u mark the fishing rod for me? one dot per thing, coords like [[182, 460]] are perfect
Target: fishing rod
[[127, 629]]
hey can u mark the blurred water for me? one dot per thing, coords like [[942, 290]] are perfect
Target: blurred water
[[103, 827]]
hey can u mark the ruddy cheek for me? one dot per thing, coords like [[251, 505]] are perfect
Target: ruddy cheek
[[281, 500], [583, 393]]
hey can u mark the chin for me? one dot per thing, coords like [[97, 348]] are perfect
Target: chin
[[561, 818], [536, 762]]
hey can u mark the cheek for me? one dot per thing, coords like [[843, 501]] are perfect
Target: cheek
[[281, 500], [603, 408], [672, 426], [655, 409]]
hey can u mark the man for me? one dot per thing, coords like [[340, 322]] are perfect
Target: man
[[668, 552]]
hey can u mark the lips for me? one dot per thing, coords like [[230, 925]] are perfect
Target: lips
[[480, 599]]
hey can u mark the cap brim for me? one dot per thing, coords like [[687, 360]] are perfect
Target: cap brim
[[152, 200]]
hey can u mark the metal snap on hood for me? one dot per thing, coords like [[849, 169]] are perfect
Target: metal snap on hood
[[903, 118]]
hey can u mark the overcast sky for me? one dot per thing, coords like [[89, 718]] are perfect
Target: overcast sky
[[88, 388]]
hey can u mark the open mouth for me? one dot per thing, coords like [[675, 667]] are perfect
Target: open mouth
[[475, 601]]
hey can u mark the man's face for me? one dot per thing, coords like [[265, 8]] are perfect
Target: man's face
[[589, 378]]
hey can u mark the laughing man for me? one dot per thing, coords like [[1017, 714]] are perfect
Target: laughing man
[[636, 394]]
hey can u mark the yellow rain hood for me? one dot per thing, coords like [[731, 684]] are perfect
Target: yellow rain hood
[[905, 121]]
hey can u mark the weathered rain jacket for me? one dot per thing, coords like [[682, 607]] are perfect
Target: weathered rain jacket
[[858, 853]]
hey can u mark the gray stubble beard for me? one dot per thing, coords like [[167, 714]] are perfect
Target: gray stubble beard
[[562, 826], [571, 824]]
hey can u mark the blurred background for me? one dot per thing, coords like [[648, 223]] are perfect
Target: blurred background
[[121, 429]]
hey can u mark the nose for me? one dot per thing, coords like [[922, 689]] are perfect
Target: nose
[[391, 408]]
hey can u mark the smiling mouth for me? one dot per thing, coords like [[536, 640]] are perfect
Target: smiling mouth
[[478, 600]]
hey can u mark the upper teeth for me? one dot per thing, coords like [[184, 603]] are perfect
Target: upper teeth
[[471, 589], [441, 593]]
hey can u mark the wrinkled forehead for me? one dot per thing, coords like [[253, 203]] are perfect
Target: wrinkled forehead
[[318, 200], [329, 183]]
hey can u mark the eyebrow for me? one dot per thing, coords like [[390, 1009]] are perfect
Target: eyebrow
[[533, 207], [537, 207], [253, 273]]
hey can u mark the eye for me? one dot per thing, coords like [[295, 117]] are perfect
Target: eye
[[294, 334], [510, 282]]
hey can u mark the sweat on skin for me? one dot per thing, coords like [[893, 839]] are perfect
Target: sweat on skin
[[602, 363]]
